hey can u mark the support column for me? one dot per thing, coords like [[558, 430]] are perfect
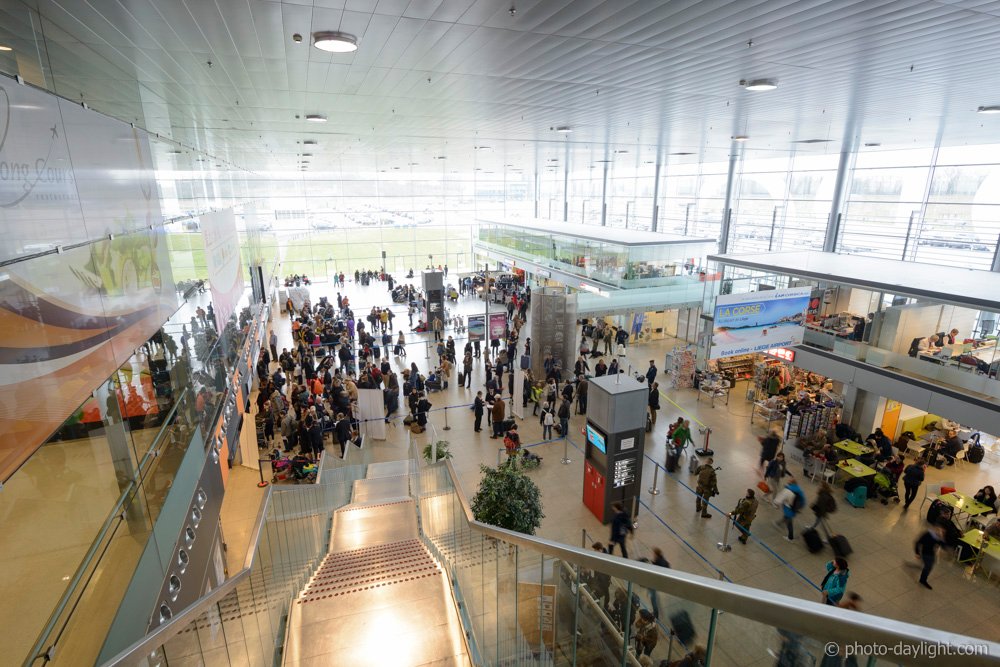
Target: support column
[[604, 198], [566, 185], [727, 210], [848, 156], [553, 329], [656, 198]]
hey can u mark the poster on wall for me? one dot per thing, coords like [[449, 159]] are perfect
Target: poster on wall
[[756, 321], [222, 257], [477, 327], [70, 319], [498, 325]]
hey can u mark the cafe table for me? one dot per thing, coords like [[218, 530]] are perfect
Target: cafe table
[[980, 549], [964, 504], [855, 468], [853, 448]]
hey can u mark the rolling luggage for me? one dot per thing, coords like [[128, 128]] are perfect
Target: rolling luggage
[[461, 379], [813, 541], [649, 424], [858, 496], [672, 460], [693, 465], [841, 547]]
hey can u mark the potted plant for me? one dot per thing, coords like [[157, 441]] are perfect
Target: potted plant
[[442, 452], [507, 498]]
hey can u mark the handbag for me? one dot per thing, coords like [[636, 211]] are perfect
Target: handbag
[[763, 486]]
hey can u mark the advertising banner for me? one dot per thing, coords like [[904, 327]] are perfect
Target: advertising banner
[[498, 325], [477, 327], [222, 256], [756, 321]]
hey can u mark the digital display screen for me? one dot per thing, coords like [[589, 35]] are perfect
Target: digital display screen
[[596, 438]]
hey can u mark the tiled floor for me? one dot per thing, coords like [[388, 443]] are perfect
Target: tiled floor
[[882, 569]]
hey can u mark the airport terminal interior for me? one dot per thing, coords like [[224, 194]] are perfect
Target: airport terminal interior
[[500, 332]]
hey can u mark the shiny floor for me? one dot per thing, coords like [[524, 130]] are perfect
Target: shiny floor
[[882, 565], [379, 597]]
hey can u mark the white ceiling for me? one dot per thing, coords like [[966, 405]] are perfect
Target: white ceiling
[[438, 77]]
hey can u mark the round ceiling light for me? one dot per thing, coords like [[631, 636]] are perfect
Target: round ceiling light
[[760, 84], [316, 118], [989, 109], [335, 42]]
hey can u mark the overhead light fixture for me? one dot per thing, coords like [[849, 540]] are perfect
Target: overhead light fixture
[[483, 148], [412, 164], [872, 144], [990, 109], [174, 152], [315, 118], [564, 129], [602, 161], [682, 153], [309, 142], [813, 141], [307, 155], [333, 41], [4, 47], [759, 84], [441, 157], [553, 159], [650, 162], [740, 137], [621, 152]]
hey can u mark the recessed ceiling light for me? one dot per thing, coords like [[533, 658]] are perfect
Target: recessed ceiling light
[[989, 109], [564, 129], [335, 42], [174, 152], [508, 165], [682, 153], [4, 47], [759, 84], [602, 161], [813, 141], [396, 168], [740, 137], [650, 162], [315, 118], [873, 144], [553, 159], [309, 142], [441, 157], [621, 152], [484, 148], [307, 155], [412, 164]]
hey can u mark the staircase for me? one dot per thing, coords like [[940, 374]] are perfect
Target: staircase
[[378, 597]]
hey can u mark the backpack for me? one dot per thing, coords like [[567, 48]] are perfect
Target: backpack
[[549, 419], [798, 502]]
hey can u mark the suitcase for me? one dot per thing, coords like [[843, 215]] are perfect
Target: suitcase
[[461, 379], [672, 461], [682, 627], [813, 541], [649, 424], [858, 496], [841, 547], [693, 465], [377, 352]]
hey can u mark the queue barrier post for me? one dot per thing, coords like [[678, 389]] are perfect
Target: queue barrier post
[[446, 427], [724, 545], [653, 491]]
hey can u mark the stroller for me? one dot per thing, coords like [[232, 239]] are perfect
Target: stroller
[[399, 295], [303, 470], [281, 467], [885, 486]]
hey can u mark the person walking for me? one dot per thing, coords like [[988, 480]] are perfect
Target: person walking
[[913, 477], [835, 582], [769, 445], [774, 471], [621, 528], [824, 505], [791, 500], [478, 407], [499, 409], [926, 550], [707, 487], [744, 514], [467, 370], [682, 435], [582, 389], [654, 402], [657, 559], [272, 341]]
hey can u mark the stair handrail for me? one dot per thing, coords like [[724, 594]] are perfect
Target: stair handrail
[[167, 631], [829, 623]]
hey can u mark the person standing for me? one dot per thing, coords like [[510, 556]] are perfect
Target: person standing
[[651, 373], [548, 420], [582, 388], [621, 528], [654, 401], [272, 341], [744, 514], [926, 550], [835, 582], [477, 348], [608, 337], [682, 435], [478, 407], [467, 370], [913, 477], [707, 487], [499, 408], [563, 414]]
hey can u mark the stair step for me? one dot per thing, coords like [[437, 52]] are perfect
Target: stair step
[[392, 563]]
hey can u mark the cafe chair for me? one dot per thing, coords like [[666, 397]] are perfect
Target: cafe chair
[[960, 458], [931, 492]]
